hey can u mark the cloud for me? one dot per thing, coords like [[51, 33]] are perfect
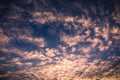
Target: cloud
[[69, 19], [3, 39], [47, 17], [85, 22], [73, 49], [40, 42], [64, 67], [116, 14], [2, 58], [43, 17], [115, 30], [23, 45], [72, 40], [78, 54], [51, 52], [60, 63]]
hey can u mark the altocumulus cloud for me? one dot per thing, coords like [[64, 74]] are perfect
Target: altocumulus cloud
[[60, 40]]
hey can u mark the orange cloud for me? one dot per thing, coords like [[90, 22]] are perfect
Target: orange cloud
[[72, 40]]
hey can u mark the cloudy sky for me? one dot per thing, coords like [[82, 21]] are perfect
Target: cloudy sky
[[59, 40]]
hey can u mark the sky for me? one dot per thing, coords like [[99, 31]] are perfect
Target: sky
[[59, 40]]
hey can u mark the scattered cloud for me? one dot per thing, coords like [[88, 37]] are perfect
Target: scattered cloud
[[72, 40], [81, 44]]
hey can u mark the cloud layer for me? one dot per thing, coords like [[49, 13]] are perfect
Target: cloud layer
[[51, 40]]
